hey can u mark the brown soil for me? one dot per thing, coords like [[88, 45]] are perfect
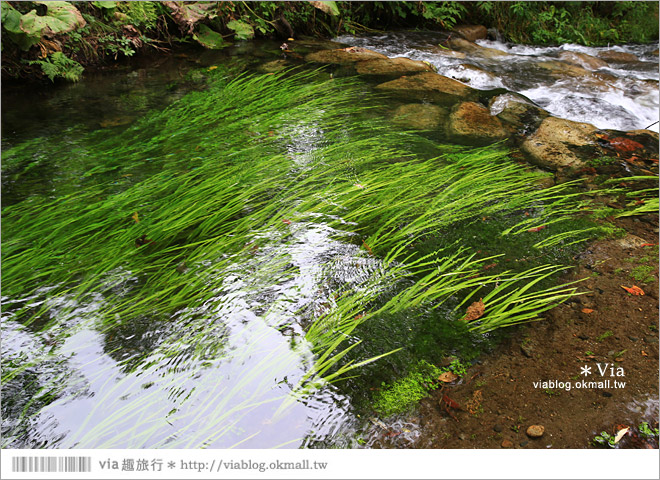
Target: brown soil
[[608, 326]]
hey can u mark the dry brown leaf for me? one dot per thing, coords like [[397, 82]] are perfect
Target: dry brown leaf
[[135, 217], [447, 377], [475, 311], [587, 310]]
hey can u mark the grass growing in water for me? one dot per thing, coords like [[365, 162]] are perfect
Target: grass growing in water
[[168, 257]]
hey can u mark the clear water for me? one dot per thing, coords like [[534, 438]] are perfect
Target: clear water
[[157, 382]]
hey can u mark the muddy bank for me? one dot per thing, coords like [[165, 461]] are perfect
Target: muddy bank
[[606, 326]]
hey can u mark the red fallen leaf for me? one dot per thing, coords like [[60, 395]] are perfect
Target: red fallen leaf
[[587, 310], [450, 402], [527, 214], [648, 244], [640, 202], [392, 434], [654, 160], [287, 221], [634, 290], [475, 311], [358, 317], [536, 229], [368, 248], [489, 266]]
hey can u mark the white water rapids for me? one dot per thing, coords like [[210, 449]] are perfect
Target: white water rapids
[[625, 98]]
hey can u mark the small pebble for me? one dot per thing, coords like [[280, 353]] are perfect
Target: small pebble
[[607, 394], [583, 337], [633, 339], [524, 443], [651, 339], [498, 428], [507, 444], [535, 431]]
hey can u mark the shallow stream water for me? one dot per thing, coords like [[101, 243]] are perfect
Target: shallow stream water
[[254, 323]]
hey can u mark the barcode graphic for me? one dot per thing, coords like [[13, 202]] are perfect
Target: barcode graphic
[[51, 464]]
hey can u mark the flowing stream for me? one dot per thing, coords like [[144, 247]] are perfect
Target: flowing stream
[[221, 373]]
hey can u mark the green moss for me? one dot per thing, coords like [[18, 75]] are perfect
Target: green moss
[[643, 273], [403, 394]]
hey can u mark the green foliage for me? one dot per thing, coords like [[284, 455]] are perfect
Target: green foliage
[[26, 30], [242, 30], [404, 393], [604, 440], [446, 14], [643, 273], [58, 65], [208, 38], [603, 336], [645, 430]]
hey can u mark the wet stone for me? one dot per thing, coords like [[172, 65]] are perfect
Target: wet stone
[[651, 339], [607, 394], [535, 431], [633, 339], [524, 443], [498, 428]]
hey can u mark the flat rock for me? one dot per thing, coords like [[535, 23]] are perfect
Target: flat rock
[[582, 60], [471, 48], [343, 56], [446, 52], [617, 56], [630, 241], [471, 32], [558, 144], [507, 444], [391, 66], [420, 116], [535, 431], [274, 66], [471, 123], [562, 69], [430, 87]]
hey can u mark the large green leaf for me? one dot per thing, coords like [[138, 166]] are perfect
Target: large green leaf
[[208, 38], [11, 18], [328, 7], [61, 17], [107, 5], [242, 29]]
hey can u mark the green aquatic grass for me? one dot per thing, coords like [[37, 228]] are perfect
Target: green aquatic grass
[[147, 228]]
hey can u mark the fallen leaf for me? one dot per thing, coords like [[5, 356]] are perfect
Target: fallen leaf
[[143, 240], [587, 310], [448, 377], [648, 244], [212, 68], [287, 221], [644, 354], [634, 290], [620, 434], [135, 217], [368, 248], [536, 229], [475, 311]]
